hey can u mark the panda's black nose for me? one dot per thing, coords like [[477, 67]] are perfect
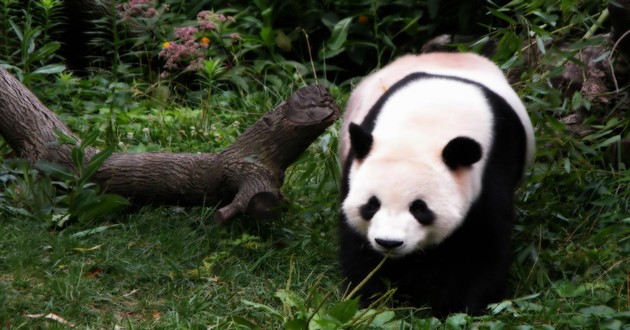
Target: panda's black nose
[[388, 244]]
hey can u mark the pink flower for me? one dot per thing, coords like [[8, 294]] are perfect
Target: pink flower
[[136, 8], [151, 12], [196, 64], [173, 54], [177, 54], [186, 32], [208, 20], [221, 18], [204, 14], [207, 25]]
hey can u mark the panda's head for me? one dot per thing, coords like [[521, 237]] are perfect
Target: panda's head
[[406, 204]]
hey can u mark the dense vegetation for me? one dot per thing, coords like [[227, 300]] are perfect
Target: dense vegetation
[[190, 76]]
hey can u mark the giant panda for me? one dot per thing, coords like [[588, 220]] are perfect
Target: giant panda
[[432, 148]]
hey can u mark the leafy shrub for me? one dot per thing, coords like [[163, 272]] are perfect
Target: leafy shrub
[[61, 195], [28, 47]]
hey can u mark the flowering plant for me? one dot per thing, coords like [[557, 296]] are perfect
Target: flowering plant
[[192, 44], [183, 48], [138, 8]]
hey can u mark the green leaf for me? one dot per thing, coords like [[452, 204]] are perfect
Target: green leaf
[[608, 141], [29, 41], [324, 324], [528, 297], [93, 207], [502, 16], [607, 201], [50, 69], [334, 45], [508, 64], [541, 45], [59, 219], [570, 290], [382, 318], [55, 170], [43, 52], [89, 139], [243, 322], [290, 298], [327, 53], [96, 230], [344, 310], [457, 321], [410, 24], [16, 211], [267, 15], [266, 35], [16, 30], [501, 306], [77, 159], [297, 324], [339, 34], [433, 7], [63, 138], [549, 19], [265, 308], [576, 100], [601, 311], [95, 163]]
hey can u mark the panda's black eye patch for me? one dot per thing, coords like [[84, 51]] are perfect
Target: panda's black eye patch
[[369, 209], [421, 212]]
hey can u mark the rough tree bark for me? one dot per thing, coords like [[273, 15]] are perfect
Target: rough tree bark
[[244, 178]]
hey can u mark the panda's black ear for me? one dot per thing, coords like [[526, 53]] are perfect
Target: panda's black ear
[[360, 140], [461, 152]]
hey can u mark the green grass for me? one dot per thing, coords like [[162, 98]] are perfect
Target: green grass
[[164, 268], [170, 267]]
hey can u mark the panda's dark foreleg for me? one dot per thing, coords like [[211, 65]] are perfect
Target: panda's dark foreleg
[[480, 255], [468, 287], [474, 292]]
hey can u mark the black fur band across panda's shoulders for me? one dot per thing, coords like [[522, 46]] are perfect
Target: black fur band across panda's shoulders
[[370, 120]]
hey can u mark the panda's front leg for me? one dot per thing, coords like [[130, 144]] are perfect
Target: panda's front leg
[[472, 269], [469, 290]]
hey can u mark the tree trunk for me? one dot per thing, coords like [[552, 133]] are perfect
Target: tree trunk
[[244, 178]]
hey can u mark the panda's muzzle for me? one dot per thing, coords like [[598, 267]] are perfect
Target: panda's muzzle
[[388, 244]]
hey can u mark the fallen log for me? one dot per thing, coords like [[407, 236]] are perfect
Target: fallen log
[[244, 178]]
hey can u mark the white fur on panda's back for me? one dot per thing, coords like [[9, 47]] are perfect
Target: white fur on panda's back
[[426, 114], [464, 65]]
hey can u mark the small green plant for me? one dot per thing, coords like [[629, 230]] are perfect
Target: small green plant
[[24, 192], [33, 55], [8, 9], [83, 199], [53, 193]]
